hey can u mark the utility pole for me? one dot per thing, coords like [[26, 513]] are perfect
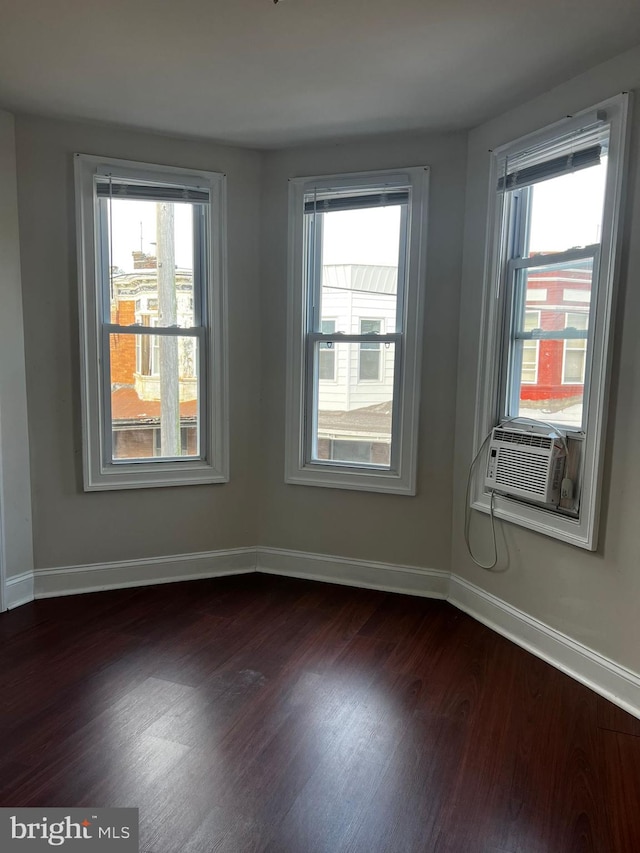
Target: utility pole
[[168, 316]]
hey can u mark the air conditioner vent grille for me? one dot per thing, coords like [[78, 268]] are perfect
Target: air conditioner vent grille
[[521, 470], [528, 439]]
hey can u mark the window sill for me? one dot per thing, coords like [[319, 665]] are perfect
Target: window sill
[[151, 475], [360, 479], [575, 531]]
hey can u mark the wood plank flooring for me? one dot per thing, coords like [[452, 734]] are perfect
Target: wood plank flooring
[[257, 713]]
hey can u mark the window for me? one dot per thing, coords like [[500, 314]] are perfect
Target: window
[[370, 352], [555, 204], [356, 291], [530, 349], [574, 360], [152, 294], [327, 354]]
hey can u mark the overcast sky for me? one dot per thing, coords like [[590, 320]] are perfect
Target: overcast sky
[[131, 218]]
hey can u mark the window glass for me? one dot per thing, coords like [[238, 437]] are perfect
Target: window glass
[[355, 254], [154, 414], [566, 212], [359, 254], [149, 251], [353, 423], [550, 344]]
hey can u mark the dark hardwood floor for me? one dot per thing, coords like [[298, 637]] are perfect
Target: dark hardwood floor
[[258, 713]]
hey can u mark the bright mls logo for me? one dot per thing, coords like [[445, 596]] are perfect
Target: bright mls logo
[[114, 830]]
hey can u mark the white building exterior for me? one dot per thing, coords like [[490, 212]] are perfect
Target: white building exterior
[[357, 378]]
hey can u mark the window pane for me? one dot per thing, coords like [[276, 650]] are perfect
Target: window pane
[[566, 212], [150, 251], [354, 420], [552, 367], [359, 256], [154, 414]]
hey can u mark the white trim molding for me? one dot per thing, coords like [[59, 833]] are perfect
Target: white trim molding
[[16, 535], [387, 577], [94, 577], [208, 326], [602, 675], [19, 590], [304, 325], [506, 255]]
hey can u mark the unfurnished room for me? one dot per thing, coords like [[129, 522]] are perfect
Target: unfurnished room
[[319, 406]]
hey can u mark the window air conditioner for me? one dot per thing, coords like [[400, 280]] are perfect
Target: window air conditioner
[[526, 465]]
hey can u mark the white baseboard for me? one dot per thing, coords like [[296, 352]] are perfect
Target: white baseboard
[[362, 573], [19, 590], [72, 580], [607, 678]]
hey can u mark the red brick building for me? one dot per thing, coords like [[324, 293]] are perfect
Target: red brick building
[[135, 367], [553, 371]]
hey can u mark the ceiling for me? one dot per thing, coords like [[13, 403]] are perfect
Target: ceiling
[[258, 74]]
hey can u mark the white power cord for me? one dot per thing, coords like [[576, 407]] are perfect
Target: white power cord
[[467, 506], [467, 513]]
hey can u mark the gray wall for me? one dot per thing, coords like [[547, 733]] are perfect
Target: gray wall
[[72, 527], [592, 597], [15, 500], [589, 596], [394, 528]]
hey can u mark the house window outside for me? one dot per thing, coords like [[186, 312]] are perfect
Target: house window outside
[[356, 294], [369, 364], [530, 349], [152, 280], [555, 209], [574, 362], [327, 355]]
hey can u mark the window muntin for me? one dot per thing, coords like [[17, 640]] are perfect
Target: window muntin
[[357, 247], [152, 282]]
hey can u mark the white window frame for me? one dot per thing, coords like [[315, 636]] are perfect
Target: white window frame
[[400, 477], [582, 530], [212, 465]]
